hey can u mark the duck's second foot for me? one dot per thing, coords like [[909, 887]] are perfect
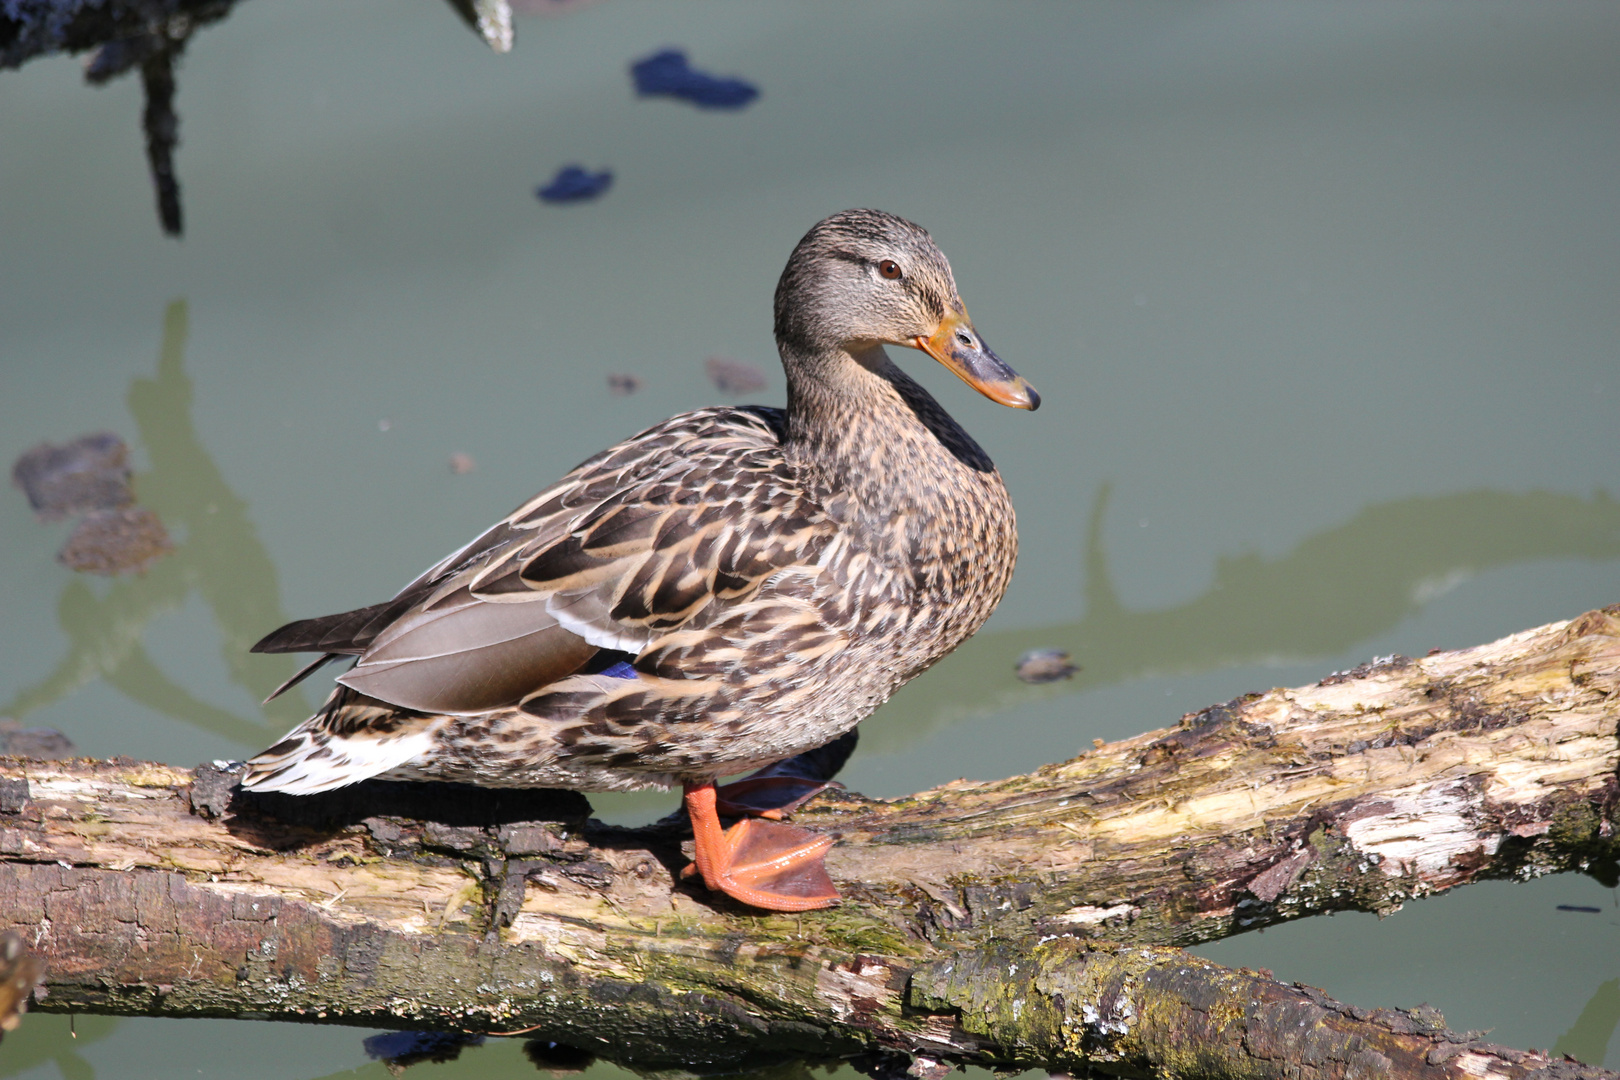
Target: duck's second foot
[[767, 796], [765, 864]]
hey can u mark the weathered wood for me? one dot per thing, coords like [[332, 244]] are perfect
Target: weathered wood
[[1160, 1012], [999, 923]]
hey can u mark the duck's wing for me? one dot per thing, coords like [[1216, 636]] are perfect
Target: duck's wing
[[349, 633], [632, 545]]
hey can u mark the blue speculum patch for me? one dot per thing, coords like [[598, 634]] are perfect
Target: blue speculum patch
[[619, 670], [668, 74], [574, 183]]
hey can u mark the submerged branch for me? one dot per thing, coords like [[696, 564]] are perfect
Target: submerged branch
[[126, 35], [1030, 921], [150, 35], [162, 129]]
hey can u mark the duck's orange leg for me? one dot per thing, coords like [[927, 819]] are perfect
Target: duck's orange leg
[[764, 864]]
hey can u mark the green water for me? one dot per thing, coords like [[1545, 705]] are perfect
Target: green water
[[1323, 301]]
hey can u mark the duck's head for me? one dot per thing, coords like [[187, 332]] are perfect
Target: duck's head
[[863, 278]]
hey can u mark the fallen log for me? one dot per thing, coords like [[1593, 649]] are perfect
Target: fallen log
[[1029, 921]]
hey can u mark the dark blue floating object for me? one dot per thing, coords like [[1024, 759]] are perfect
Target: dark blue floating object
[[667, 74], [1581, 908], [575, 184]]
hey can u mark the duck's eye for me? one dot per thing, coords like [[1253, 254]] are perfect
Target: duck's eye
[[889, 269]]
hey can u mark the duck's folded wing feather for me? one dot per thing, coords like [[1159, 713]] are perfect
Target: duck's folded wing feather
[[638, 572], [347, 632], [642, 541], [464, 655]]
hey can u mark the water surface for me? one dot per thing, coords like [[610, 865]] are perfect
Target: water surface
[[1321, 300]]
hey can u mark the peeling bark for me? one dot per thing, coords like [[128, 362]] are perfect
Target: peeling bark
[[1028, 921]]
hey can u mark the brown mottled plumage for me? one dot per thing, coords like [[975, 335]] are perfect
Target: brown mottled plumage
[[771, 576]]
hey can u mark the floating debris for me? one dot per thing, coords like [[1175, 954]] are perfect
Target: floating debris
[[462, 464], [116, 541], [1582, 908], [667, 74], [733, 376], [399, 1049], [574, 183], [623, 385], [37, 742], [1045, 665], [384, 424], [19, 971], [92, 474], [89, 473]]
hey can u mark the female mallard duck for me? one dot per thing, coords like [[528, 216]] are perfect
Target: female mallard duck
[[729, 588]]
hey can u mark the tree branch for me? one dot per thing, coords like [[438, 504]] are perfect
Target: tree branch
[[1027, 921]]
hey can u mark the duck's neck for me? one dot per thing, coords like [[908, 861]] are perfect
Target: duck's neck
[[858, 425]]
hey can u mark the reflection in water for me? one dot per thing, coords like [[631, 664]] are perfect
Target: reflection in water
[[514, 1058], [44, 1038], [1588, 1040], [219, 556], [1335, 589]]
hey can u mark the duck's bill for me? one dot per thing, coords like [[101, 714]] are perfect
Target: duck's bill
[[959, 347]]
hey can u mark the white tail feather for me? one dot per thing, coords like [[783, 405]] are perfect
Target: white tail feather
[[302, 769]]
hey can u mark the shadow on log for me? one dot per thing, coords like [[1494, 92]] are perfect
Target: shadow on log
[[1033, 921]]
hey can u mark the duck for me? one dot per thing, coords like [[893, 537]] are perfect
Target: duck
[[725, 590]]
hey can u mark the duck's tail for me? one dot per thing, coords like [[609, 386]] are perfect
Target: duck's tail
[[352, 738]]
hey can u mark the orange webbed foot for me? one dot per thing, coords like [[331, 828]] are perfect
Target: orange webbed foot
[[765, 864]]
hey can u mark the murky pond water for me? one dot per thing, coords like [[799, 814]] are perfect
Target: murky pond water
[[1322, 300]]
